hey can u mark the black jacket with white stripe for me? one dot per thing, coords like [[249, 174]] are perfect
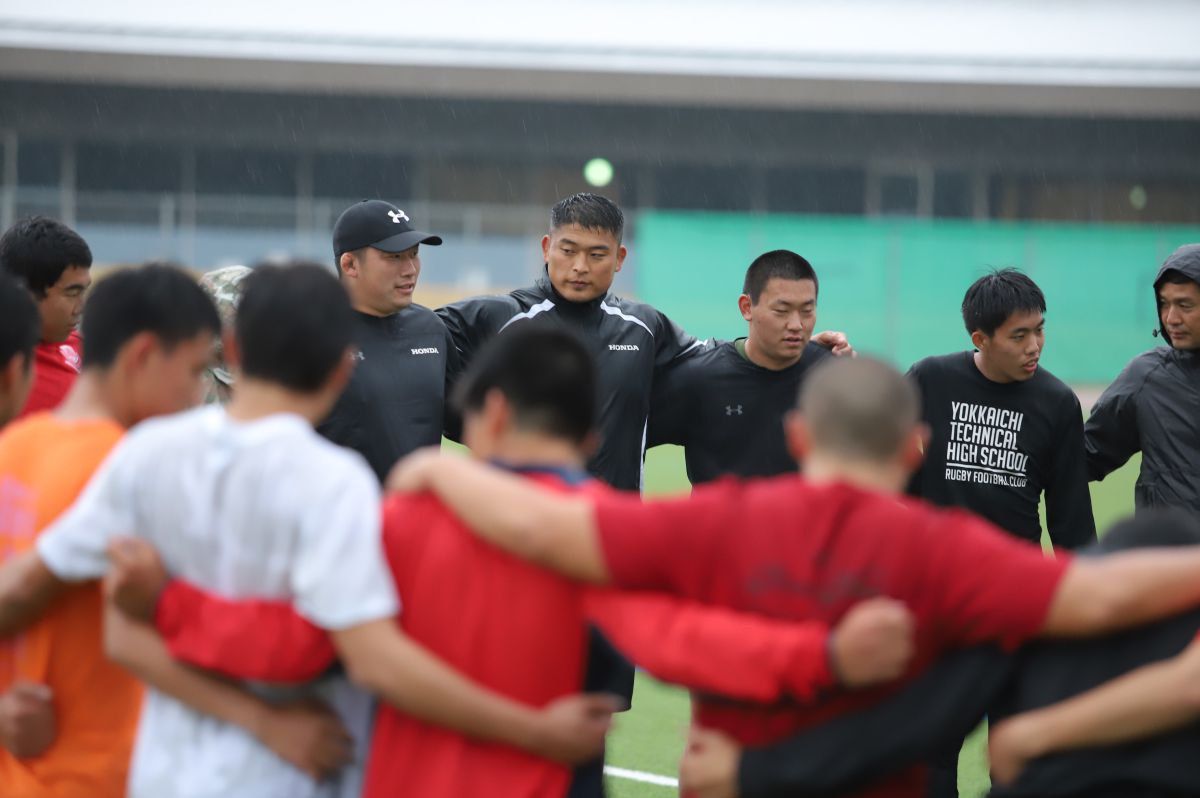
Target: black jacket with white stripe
[[630, 341]]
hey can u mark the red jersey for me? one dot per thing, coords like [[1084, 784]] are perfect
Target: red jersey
[[508, 625], [788, 549], [55, 367], [492, 617]]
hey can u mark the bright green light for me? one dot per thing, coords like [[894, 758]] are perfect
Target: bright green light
[[598, 172]]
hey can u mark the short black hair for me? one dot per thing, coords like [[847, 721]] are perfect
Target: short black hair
[[545, 373], [20, 324], [293, 325], [589, 211], [39, 249], [158, 298], [997, 295], [777, 263]]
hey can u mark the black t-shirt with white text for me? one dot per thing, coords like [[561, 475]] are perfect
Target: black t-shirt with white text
[[996, 447], [727, 412]]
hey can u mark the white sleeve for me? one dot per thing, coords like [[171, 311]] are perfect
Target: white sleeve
[[74, 546], [341, 578]]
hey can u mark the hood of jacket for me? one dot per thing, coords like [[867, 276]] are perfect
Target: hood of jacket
[[1185, 260]]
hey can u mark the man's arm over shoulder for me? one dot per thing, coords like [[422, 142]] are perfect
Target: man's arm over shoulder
[[753, 658], [672, 342], [472, 321], [673, 393], [1111, 434]]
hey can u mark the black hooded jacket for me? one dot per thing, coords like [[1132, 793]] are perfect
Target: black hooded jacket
[[630, 342], [1154, 407]]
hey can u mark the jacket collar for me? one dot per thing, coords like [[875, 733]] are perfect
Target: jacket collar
[[547, 288]]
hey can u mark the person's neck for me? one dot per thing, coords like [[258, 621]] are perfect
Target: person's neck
[[96, 395], [367, 310], [882, 477], [255, 399], [524, 450], [985, 368], [756, 356]]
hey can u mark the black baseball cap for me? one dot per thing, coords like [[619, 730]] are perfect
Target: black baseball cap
[[378, 224]]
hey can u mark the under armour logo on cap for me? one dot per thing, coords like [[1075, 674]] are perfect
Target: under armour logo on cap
[[378, 224], [729, 411]]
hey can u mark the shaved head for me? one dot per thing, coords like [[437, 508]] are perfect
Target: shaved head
[[859, 409]]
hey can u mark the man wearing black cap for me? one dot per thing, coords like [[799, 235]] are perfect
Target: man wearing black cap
[[394, 401]]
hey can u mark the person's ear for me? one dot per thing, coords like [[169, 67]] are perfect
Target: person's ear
[[979, 340], [912, 453], [496, 413], [799, 440], [347, 265], [744, 305], [545, 249], [621, 253]]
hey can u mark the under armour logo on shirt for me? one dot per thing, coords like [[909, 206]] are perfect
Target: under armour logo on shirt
[[397, 216], [729, 411], [359, 355]]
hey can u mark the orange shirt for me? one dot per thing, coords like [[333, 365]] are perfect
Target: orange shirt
[[44, 465]]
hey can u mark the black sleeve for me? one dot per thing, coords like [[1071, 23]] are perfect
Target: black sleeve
[[1111, 434], [468, 324], [671, 343], [670, 397], [451, 420], [942, 706], [1069, 516], [915, 372]]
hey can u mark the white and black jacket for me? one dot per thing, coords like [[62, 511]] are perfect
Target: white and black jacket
[[630, 341]]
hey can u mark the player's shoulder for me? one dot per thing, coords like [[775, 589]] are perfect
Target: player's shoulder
[[336, 467], [631, 307], [1055, 388], [939, 364], [483, 306], [422, 312], [28, 431]]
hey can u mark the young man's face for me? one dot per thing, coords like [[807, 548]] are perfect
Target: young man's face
[[1012, 352], [782, 320], [62, 306], [581, 262], [168, 380], [382, 283], [1179, 311]]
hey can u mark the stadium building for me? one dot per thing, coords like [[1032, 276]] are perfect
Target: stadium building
[[874, 136]]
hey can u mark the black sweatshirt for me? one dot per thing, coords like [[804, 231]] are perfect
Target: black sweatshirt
[[996, 447], [727, 412], [395, 398], [630, 341]]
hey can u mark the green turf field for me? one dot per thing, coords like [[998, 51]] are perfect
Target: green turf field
[[650, 737]]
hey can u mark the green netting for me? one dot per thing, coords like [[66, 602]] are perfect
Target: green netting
[[896, 285]]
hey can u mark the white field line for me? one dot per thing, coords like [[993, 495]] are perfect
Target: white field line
[[637, 775]]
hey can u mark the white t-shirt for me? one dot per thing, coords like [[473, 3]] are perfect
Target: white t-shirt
[[265, 509]]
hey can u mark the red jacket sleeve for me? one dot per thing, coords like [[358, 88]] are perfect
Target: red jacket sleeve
[[245, 639], [712, 649]]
